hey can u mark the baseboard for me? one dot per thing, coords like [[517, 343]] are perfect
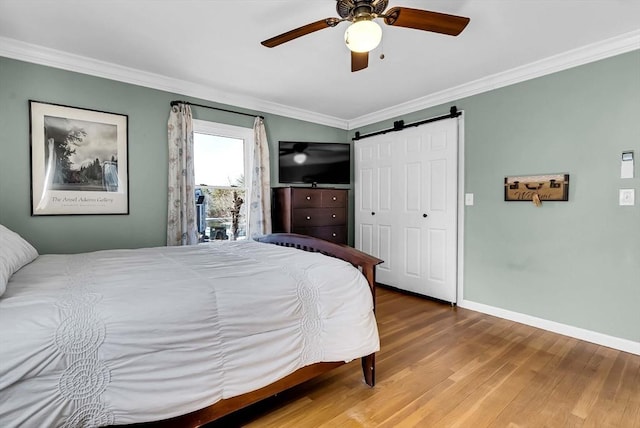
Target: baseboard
[[556, 327]]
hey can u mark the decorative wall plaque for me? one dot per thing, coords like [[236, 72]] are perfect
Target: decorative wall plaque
[[537, 188]]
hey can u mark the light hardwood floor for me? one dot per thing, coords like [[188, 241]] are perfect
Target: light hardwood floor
[[441, 366]]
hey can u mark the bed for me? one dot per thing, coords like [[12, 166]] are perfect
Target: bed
[[176, 336]]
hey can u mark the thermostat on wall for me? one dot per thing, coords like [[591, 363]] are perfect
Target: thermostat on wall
[[626, 165]]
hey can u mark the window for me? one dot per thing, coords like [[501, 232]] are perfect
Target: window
[[220, 164]]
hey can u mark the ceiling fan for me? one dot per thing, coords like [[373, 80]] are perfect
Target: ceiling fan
[[364, 34]]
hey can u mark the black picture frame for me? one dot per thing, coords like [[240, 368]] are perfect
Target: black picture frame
[[79, 160]]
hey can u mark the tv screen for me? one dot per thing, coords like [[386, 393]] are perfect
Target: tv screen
[[322, 163]]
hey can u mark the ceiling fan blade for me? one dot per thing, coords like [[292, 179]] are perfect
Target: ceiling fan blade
[[301, 31], [359, 61], [426, 20]]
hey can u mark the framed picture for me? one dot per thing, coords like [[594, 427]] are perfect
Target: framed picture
[[79, 162]]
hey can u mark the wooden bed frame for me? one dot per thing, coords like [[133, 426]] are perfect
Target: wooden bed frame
[[364, 262]]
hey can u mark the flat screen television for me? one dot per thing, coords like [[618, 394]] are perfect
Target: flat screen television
[[314, 163]]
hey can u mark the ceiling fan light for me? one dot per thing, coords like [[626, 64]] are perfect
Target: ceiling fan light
[[363, 36]]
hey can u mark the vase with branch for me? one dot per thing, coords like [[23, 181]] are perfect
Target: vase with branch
[[235, 215]]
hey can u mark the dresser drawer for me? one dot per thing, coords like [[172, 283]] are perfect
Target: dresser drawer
[[307, 217], [318, 198], [337, 234], [334, 198], [306, 198]]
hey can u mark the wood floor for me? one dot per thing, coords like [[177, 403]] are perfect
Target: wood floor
[[441, 366]]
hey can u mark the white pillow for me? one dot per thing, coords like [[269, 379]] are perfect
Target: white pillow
[[15, 252]]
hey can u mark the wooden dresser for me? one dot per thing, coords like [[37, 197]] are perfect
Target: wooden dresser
[[317, 212]]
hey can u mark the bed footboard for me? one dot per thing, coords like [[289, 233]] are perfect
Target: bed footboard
[[363, 261]]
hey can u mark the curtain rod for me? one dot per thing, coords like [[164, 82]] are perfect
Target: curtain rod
[[399, 125], [174, 103]]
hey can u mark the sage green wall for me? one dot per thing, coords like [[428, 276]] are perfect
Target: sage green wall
[[575, 262], [148, 112]]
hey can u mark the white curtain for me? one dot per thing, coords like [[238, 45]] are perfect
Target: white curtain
[[181, 219], [259, 218]]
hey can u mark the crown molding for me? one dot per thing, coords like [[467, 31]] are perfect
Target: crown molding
[[19, 50], [604, 49], [36, 54]]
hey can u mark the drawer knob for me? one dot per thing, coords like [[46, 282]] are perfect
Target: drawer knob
[[308, 217], [308, 198], [333, 215], [334, 234], [334, 198]]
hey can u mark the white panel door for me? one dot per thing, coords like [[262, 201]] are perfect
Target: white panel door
[[373, 203], [414, 172]]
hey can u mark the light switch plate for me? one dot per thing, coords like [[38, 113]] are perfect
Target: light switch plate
[[468, 198], [627, 197]]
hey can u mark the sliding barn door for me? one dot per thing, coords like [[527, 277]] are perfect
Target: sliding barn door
[[373, 203], [406, 207]]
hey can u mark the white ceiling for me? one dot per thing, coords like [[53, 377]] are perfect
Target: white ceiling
[[211, 49]]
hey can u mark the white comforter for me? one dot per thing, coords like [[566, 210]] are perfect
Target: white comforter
[[124, 336]]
